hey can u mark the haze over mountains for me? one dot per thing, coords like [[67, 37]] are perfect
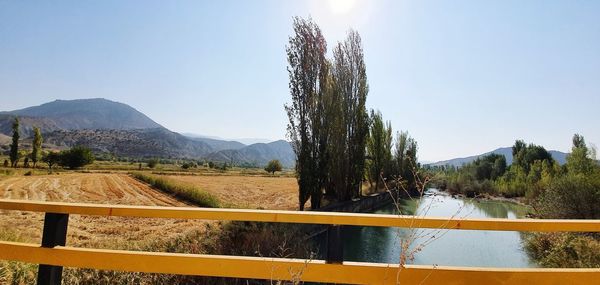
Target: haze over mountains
[[115, 128]]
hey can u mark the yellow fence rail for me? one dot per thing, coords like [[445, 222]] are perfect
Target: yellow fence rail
[[304, 217], [53, 255]]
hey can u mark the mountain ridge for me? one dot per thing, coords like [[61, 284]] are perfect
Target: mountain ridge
[[259, 154], [78, 114], [109, 127], [559, 156]]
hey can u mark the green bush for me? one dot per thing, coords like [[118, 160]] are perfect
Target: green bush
[[152, 163], [186, 192], [273, 166], [76, 157], [571, 197]]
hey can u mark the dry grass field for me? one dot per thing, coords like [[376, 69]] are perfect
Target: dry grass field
[[258, 192], [163, 235], [89, 231]]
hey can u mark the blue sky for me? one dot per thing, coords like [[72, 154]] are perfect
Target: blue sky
[[463, 77]]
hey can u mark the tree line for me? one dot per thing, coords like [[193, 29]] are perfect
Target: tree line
[[337, 142], [531, 171], [75, 157]]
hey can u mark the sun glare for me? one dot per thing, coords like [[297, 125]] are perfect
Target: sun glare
[[341, 6]]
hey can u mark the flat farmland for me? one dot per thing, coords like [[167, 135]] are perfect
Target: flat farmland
[[90, 231], [256, 192]]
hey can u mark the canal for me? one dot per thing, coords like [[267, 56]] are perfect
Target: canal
[[443, 247]]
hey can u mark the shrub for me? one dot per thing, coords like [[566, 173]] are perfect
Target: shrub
[[182, 191], [188, 165], [273, 166], [152, 163], [76, 157], [51, 158], [571, 197]]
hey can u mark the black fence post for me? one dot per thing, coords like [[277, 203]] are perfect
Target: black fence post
[[55, 233], [335, 248]]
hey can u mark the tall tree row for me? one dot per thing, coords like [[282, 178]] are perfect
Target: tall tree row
[[328, 120]]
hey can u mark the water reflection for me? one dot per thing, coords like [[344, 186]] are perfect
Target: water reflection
[[455, 247]]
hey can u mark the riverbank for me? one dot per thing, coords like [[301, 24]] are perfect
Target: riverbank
[[489, 197]]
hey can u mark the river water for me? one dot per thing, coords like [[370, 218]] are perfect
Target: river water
[[446, 247]]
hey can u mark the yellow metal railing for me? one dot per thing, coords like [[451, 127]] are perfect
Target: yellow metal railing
[[57, 255]]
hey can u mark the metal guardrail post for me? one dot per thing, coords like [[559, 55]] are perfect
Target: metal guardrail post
[[55, 233], [335, 247]]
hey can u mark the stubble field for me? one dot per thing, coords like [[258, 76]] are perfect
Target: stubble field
[[91, 231], [255, 192]]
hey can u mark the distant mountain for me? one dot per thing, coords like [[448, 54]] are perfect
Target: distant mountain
[[217, 144], [26, 124], [560, 157], [249, 141], [258, 154], [197, 136], [114, 128], [77, 115], [244, 141]]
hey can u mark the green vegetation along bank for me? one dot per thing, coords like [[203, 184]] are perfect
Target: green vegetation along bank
[[570, 191]]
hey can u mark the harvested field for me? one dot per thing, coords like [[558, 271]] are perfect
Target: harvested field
[[259, 192], [89, 231], [84, 187]]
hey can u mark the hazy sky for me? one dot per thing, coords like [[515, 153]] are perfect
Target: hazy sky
[[463, 77]]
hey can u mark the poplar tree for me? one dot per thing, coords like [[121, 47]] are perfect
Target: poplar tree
[[405, 158], [14, 146], [379, 149], [36, 152], [581, 160], [350, 83], [307, 71]]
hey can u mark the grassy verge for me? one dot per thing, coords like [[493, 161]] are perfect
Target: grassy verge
[[14, 272], [183, 191]]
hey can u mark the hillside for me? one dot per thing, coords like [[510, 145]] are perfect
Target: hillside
[[158, 142], [4, 139], [560, 157], [77, 115], [258, 154]]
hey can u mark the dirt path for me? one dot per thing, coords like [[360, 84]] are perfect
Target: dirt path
[[90, 231]]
